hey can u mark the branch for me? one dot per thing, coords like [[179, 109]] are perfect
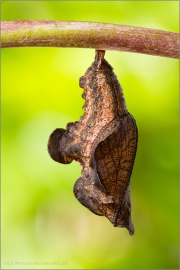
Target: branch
[[99, 36]]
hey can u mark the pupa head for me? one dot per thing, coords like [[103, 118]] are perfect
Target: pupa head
[[83, 193]]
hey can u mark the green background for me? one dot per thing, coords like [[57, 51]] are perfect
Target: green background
[[42, 222]]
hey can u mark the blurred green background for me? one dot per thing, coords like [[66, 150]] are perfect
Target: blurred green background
[[43, 225]]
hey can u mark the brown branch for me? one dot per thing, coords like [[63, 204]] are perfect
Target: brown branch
[[99, 36]]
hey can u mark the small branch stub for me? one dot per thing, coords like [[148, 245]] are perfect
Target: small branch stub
[[99, 36]]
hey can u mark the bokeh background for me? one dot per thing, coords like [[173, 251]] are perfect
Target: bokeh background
[[43, 225]]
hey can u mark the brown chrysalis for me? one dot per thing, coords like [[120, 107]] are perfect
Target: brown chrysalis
[[104, 142]]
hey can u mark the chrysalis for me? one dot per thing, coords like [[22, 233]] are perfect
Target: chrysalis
[[104, 142]]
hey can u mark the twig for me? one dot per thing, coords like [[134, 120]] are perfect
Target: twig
[[99, 36]]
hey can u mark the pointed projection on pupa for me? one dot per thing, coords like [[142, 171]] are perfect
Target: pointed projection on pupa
[[104, 142]]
